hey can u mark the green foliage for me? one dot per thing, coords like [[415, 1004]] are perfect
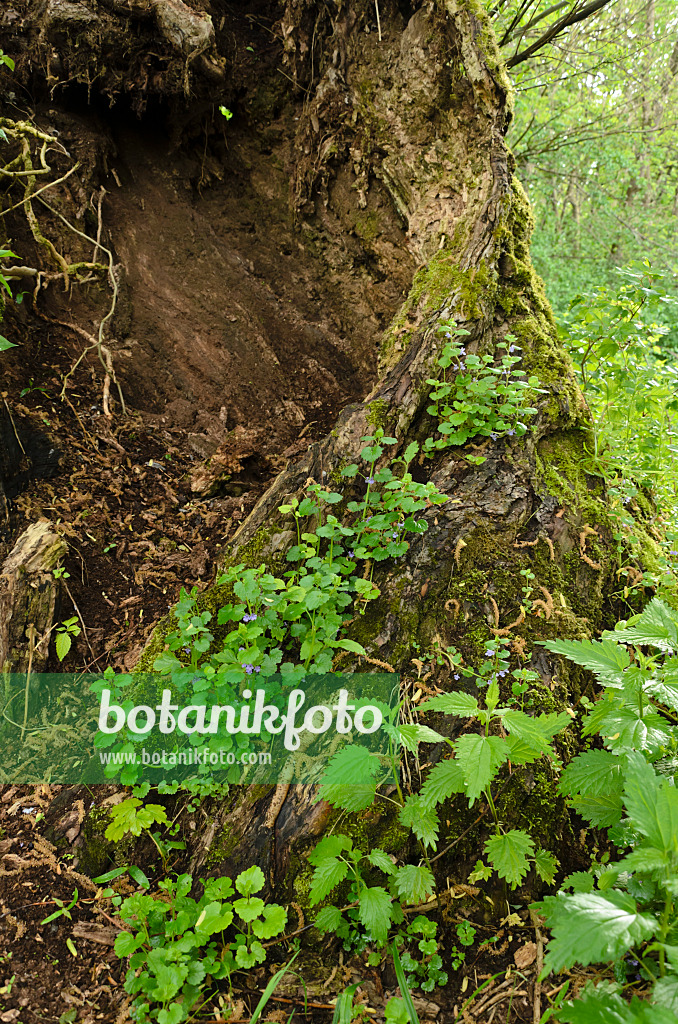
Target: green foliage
[[278, 629], [131, 817], [177, 946], [64, 636], [479, 399], [5, 253], [625, 907]]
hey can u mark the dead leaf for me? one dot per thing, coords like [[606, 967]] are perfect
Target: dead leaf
[[525, 956]]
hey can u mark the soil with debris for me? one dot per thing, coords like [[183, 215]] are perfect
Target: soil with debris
[[243, 315]]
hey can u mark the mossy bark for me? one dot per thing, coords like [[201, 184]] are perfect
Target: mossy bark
[[428, 105], [407, 119]]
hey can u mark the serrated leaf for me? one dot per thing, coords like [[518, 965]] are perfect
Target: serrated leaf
[[593, 927], [601, 811], [480, 757], [381, 860], [442, 781], [328, 919], [605, 658], [422, 819], [330, 846], [651, 804], [326, 877], [592, 773], [347, 781], [579, 881], [374, 910], [414, 883], [411, 735], [463, 705], [656, 626], [508, 855], [546, 865], [530, 729]]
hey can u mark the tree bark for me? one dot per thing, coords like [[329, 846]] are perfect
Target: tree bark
[[408, 116]]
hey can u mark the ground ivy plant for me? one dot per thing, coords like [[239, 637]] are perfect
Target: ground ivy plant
[[177, 946], [472, 397]]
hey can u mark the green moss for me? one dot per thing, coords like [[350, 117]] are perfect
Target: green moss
[[440, 284]]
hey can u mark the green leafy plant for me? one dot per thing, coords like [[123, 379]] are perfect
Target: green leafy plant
[[5, 253], [423, 965], [65, 632], [624, 910], [278, 629], [176, 943], [475, 398], [63, 908], [132, 817], [353, 775]]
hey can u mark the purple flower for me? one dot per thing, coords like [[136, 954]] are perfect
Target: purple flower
[[494, 436], [249, 669], [462, 351], [672, 552], [447, 334], [369, 480], [257, 668], [187, 650], [489, 653], [249, 618], [512, 348], [351, 554], [395, 536], [456, 675], [240, 649], [511, 433]]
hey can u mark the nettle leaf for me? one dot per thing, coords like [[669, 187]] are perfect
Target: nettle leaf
[[411, 735], [422, 819], [531, 730], [546, 865], [508, 855], [326, 877], [330, 846], [604, 657], [461, 704], [374, 911], [480, 758], [63, 645], [593, 773], [579, 881], [601, 811], [414, 883], [328, 919], [442, 781], [593, 927], [381, 860], [656, 626], [348, 779], [651, 804]]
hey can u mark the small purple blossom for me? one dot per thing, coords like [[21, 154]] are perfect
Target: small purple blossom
[[249, 618], [351, 554], [186, 650], [462, 351], [240, 649], [369, 480], [257, 668], [512, 348], [489, 653], [395, 536], [249, 669], [456, 675], [511, 433], [447, 334], [494, 436]]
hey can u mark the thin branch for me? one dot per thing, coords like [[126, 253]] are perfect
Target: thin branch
[[559, 26]]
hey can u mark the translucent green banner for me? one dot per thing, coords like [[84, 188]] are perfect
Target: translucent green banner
[[69, 728]]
